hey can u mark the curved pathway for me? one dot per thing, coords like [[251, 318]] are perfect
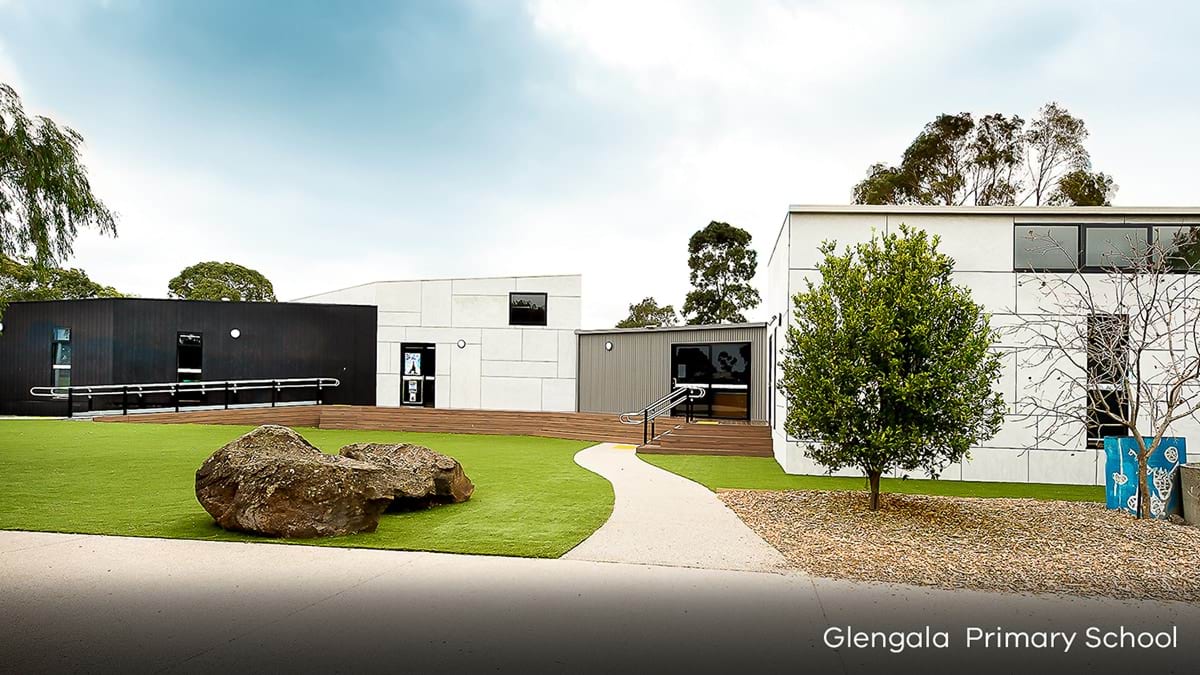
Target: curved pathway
[[660, 518]]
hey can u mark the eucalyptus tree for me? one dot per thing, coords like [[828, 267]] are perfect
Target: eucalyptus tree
[[992, 160], [723, 266]]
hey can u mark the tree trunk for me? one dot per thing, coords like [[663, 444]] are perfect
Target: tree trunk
[[1143, 491], [873, 478]]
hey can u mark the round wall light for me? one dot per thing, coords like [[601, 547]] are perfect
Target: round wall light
[[608, 346], [235, 333], [1, 327], [462, 344]]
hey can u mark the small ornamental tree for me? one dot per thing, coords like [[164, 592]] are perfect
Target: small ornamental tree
[[888, 365]]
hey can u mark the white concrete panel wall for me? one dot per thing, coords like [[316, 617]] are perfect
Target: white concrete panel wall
[[982, 246], [779, 306], [502, 367]]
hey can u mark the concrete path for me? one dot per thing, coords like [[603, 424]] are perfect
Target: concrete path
[[660, 518], [118, 604]]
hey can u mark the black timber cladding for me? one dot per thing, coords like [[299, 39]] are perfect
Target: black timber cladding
[[133, 340]]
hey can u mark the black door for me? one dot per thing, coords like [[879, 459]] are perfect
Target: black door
[[722, 369], [417, 374]]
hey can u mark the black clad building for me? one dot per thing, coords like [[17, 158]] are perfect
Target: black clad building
[[122, 341]]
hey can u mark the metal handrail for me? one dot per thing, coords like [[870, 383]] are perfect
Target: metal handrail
[[682, 393], [227, 387]]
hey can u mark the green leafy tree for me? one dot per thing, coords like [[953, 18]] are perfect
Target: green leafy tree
[[722, 267], [992, 161], [45, 195], [1083, 188], [888, 365], [649, 313], [22, 280], [221, 281]]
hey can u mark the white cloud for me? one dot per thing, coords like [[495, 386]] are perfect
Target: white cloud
[[732, 48]]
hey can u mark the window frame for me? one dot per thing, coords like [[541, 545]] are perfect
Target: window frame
[[55, 366], [1081, 237], [180, 370], [1087, 228], [1079, 243], [545, 320]]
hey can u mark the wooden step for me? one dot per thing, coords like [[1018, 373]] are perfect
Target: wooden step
[[747, 440]]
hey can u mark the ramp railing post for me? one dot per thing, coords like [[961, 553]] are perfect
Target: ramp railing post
[[124, 400], [645, 425], [70, 402]]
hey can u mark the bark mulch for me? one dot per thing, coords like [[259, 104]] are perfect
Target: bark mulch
[[1012, 545]]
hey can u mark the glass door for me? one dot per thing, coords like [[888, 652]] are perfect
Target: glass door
[[731, 380], [722, 369], [692, 364], [417, 374]]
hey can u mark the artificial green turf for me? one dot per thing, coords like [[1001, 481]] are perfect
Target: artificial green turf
[[764, 473], [531, 499]]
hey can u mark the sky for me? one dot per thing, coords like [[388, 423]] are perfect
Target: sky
[[331, 144]]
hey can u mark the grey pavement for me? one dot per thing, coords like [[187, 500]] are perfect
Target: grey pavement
[[101, 604], [660, 518]]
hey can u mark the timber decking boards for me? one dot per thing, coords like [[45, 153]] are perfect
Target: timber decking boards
[[674, 436], [743, 440]]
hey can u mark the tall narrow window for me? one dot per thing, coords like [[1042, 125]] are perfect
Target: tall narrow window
[[60, 357], [1108, 370], [190, 356], [527, 309]]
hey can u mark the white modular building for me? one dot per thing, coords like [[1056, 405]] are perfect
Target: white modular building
[[995, 261], [493, 343]]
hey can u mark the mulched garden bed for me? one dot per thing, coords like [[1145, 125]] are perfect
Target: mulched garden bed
[[1014, 545]]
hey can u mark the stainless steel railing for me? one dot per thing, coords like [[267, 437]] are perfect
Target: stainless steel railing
[[201, 388], [682, 394]]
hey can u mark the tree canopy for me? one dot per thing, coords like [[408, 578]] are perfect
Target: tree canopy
[[45, 195], [722, 268], [221, 281], [888, 365], [649, 313], [23, 280], [993, 160]]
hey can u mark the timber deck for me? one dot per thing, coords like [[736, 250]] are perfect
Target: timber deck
[[675, 436]]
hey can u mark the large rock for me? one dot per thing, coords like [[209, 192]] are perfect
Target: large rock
[[420, 476], [271, 481]]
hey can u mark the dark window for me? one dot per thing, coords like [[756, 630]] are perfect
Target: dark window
[[60, 357], [731, 363], [527, 309], [190, 356], [1046, 247], [1108, 348], [1108, 369], [1106, 409], [1181, 244]]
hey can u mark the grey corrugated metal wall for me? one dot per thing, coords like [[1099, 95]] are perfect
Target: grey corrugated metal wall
[[638, 369]]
